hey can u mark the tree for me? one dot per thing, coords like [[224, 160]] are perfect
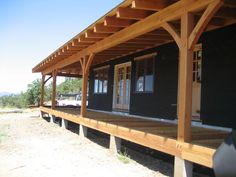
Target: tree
[[70, 85], [33, 94]]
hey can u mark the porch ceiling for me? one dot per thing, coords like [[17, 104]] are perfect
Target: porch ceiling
[[112, 37]]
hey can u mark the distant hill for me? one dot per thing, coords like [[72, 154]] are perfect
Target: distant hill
[[4, 94]]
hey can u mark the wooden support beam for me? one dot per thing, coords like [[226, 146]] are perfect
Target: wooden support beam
[[116, 22], [54, 85], [100, 28], [153, 5], [42, 90], [76, 75], [86, 62], [203, 22], [173, 32], [91, 34], [185, 80], [133, 14], [50, 76]]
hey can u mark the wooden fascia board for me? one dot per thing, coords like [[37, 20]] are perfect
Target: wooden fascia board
[[148, 24]]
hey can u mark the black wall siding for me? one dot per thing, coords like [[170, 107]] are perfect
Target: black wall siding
[[101, 101], [218, 99], [162, 102], [218, 92], [104, 102]]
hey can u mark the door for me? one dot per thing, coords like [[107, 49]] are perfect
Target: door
[[197, 74], [122, 81]]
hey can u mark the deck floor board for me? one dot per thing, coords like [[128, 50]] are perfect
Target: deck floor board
[[158, 134]]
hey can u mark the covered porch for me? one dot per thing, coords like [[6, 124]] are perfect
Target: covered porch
[[131, 27], [156, 134]]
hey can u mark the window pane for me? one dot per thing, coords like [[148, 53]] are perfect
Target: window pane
[[100, 86], [149, 83], [95, 86], [101, 80], [105, 86], [149, 75], [140, 76]]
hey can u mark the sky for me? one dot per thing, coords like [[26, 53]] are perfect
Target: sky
[[30, 30]]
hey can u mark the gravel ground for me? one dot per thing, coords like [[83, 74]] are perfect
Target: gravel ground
[[32, 147]]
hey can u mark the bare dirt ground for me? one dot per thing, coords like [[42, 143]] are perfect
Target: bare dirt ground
[[32, 147]]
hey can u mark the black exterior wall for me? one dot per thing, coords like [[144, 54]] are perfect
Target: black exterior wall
[[218, 99], [162, 102], [218, 92]]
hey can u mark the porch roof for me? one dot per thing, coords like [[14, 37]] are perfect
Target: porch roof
[[132, 26]]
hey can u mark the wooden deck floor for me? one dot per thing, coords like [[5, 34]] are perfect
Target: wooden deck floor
[[154, 134]]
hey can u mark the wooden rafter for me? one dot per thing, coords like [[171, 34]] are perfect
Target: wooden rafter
[[153, 5], [88, 40], [100, 28], [77, 43], [128, 13], [91, 34], [115, 22], [148, 24]]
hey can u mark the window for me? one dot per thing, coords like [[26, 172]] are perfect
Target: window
[[145, 73], [197, 63], [101, 80]]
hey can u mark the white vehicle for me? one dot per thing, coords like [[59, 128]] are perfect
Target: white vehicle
[[69, 100]]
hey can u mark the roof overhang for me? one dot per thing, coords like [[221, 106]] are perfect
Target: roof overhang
[[132, 26]]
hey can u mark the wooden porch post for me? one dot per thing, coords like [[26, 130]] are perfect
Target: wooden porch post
[[185, 80], [42, 90], [85, 63], [84, 94], [186, 41], [54, 84]]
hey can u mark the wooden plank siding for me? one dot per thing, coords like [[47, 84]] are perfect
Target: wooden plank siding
[[160, 136]]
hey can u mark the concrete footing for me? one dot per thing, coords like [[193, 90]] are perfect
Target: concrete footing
[[41, 114], [52, 118], [183, 168], [64, 123], [83, 131], [115, 144]]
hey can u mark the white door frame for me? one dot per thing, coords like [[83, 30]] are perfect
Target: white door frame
[[114, 105]]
